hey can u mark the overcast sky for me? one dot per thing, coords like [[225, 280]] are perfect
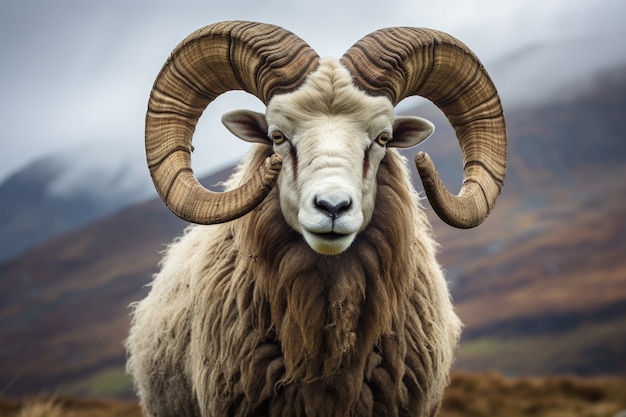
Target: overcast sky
[[79, 73]]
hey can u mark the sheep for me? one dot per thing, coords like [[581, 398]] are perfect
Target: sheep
[[310, 287]]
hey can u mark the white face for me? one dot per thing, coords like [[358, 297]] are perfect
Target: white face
[[328, 181], [332, 138]]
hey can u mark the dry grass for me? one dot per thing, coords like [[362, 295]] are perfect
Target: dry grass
[[67, 407], [482, 395], [469, 395], [45, 408]]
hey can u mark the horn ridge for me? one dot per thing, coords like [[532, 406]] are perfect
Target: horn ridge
[[498, 180], [370, 81], [159, 162]]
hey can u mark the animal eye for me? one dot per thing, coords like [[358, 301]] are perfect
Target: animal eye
[[383, 138], [277, 137]]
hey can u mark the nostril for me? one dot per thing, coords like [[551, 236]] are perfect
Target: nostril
[[332, 208]]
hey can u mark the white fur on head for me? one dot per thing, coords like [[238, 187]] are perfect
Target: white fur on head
[[332, 137]]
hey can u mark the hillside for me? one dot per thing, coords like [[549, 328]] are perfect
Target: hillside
[[60, 192], [64, 304], [541, 285]]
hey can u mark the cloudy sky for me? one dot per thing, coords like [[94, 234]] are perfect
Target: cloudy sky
[[77, 74]]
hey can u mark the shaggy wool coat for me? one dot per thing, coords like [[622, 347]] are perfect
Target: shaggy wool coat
[[244, 319]]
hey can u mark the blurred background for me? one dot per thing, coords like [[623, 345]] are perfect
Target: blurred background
[[540, 286]]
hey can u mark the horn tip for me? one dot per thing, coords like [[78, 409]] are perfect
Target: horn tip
[[274, 162], [270, 170]]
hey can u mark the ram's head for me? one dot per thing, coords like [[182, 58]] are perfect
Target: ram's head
[[329, 121]]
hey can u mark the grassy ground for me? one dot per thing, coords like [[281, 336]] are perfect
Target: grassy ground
[[482, 395], [599, 349], [67, 407], [469, 395]]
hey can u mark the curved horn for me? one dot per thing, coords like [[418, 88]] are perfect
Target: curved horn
[[261, 59], [401, 62]]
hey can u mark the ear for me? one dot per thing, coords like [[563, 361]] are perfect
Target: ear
[[247, 125], [409, 131]]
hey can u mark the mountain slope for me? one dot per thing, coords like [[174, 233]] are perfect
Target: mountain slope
[[540, 285], [64, 304], [59, 192]]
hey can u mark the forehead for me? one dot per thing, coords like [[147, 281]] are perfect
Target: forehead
[[329, 91]]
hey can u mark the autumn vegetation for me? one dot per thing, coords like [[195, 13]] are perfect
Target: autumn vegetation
[[469, 395]]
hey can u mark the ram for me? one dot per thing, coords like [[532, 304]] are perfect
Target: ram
[[310, 287]]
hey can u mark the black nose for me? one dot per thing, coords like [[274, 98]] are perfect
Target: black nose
[[334, 208]]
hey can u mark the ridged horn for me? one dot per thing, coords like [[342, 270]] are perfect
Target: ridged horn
[[402, 62], [261, 59]]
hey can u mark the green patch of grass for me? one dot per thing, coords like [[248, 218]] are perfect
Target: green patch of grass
[[592, 348], [482, 347], [108, 382]]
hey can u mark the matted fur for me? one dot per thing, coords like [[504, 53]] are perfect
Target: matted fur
[[245, 319]]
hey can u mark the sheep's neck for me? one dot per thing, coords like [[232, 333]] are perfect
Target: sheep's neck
[[318, 328], [326, 311]]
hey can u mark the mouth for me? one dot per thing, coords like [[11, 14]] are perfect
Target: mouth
[[329, 236], [330, 243]]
